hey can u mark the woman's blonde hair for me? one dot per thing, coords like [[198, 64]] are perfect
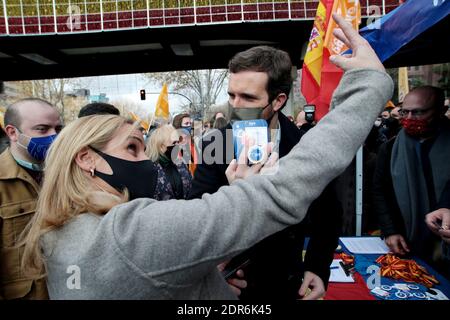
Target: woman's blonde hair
[[67, 191], [163, 135]]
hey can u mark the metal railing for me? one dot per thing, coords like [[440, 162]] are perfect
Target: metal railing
[[30, 17]]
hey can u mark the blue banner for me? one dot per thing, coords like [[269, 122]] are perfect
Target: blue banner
[[388, 34]]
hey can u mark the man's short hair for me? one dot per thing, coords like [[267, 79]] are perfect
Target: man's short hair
[[98, 108], [12, 114], [275, 62]]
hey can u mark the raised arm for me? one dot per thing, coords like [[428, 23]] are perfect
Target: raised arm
[[162, 238]]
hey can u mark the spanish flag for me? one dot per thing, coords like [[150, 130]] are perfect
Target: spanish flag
[[162, 105], [319, 76]]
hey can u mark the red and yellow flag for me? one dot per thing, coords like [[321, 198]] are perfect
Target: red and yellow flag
[[319, 76], [162, 105]]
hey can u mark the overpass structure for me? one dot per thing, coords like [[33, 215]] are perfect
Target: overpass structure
[[71, 38], [28, 17]]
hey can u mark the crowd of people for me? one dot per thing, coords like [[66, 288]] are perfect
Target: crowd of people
[[163, 215]]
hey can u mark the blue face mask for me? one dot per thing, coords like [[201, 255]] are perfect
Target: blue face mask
[[187, 130], [38, 146]]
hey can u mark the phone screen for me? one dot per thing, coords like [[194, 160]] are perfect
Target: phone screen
[[309, 112], [254, 131]]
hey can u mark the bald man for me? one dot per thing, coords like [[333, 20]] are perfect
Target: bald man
[[411, 177], [31, 126]]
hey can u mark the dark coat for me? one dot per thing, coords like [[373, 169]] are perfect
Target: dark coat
[[276, 268], [173, 182], [384, 202]]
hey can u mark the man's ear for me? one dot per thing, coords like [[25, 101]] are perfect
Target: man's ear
[[12, 133], [85, 159], [279, 101]]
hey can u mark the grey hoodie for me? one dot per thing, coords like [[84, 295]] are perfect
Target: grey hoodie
[[146, 249]]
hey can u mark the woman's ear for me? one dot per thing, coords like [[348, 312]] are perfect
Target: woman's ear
[[162, 148], [279, 101], [85, 159]]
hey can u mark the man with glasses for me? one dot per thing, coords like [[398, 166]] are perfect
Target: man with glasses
[[259, 84], [411, 177]]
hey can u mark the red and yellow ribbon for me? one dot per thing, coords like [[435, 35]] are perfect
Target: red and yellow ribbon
[[408, 270]]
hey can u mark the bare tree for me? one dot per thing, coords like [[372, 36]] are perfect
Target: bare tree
[[201, 86], [125, 106], [52, 90]]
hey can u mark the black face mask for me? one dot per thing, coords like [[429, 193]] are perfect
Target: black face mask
[[138, 177], [168, 153]]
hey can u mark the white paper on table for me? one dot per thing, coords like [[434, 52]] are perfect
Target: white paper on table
[[338, 274], [365, 245]]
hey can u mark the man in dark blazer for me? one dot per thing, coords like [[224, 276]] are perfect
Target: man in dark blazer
[[259, 85]]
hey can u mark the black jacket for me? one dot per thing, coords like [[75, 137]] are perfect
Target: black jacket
[[277, 267], [384, 201]]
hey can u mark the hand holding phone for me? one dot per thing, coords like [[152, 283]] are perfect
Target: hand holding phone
[[310, 111], [233, 266], [252, 137]]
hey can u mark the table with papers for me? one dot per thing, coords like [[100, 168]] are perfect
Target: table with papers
[[365, 284]]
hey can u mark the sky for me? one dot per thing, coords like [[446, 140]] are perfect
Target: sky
[[128, 86]]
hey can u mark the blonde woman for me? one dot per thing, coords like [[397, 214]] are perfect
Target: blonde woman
[[98, 245], [174, 179]]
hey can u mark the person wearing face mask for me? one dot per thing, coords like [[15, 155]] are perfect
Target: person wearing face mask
[[390, 124], [147, 249], [183, 123], [259, 84], [31, 126], [411, 177], [393, 124], [174, 180]]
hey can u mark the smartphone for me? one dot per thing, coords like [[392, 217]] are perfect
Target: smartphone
[[310, 110], [257, 132], [438, 225], [233, 266]]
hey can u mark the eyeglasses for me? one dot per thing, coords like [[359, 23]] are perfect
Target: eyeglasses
[[414, 113]]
